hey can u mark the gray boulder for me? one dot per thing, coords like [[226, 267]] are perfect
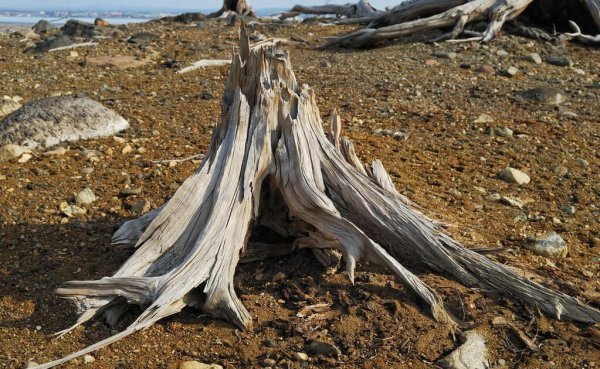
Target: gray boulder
[[472, 354], [50, 121]]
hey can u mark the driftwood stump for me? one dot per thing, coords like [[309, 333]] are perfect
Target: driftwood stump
[[270, 164], [241, 7], [415, 16]]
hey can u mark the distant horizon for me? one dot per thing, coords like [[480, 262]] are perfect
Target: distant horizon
[[157, 5]]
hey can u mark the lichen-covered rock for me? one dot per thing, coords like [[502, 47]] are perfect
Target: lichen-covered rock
[[470, 355], [50, 121]]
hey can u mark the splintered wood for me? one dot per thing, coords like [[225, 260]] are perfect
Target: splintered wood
[[271, 164]]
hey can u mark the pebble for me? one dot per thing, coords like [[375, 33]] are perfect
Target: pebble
[[40, 172], [85, 197], [56, 152], [509, 72], [140, 207], [502, 53], [544, 95], [472, 354], [431, 62], [559, 60], [486, 69], [127, 149], [300, 356], [504, 132], [71, 210], [552, 246], [382, 132], [25, 158], [10, 151], [87, 170], [560, 170], [278, 277], [483, 118], [322, 348], [400, 136], [582, 163], [31, 364], [88, 359], [512, 175], [533, 58], [192, 364], [8, 106], [445, 54], [325, 64], [512, 202], [126, 192], [269, 362], [568, 209]]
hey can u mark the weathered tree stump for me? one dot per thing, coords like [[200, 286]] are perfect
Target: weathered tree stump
[[270, 164], [362, 9], [241, 7]]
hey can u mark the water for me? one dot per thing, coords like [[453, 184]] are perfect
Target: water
[[59, 22]]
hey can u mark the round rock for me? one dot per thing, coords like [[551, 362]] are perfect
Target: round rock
[[49, 121], [512, 175], [552, 246]]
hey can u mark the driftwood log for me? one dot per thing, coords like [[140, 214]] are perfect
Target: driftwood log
[[271, 165], [361, 10], [241, 7], [415, 16]]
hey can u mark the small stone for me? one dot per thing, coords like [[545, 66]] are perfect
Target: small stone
[[431, 62], [126, 192], [587, 273], [512, 175], [85, 197], [486, 69], [258, 277], [71, 210], [325, 64], [556, 221], [73, 54], [31, 364], [127, 149], [278, 277], [493, 197], [300, 356], [140, 207], [568, 209], [533, 58], [559, 60], [552, 246], [40, 172], [382, 132], [25, 158], [503, 132], [10, 151], [499, 321], [141, 150], [56, 152], [207, 95], [269, 362], [445, 54], [472, 354], [400, 136], [501, 362], [502, 53], [118, 139], [560, 170], [322, 348], [545, 95], [8, 106], [582, 163], [88, 359], [483, 118], [87, 170], [512, 202], [509, 72], [198, 365]]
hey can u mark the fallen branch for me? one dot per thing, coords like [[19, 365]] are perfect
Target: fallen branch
[[74, 46], [203, 64]]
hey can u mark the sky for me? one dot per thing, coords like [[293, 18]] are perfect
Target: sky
[[163, 4]]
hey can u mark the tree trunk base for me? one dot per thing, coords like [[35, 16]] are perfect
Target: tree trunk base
[[271, 165]]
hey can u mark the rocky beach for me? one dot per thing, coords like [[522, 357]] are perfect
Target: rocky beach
[[498, 140]]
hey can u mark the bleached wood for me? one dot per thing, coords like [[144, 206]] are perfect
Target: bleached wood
[[270, 164], [416, 16], [74, 46], [241, 7], [204, 63], [362, 9]]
